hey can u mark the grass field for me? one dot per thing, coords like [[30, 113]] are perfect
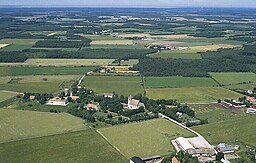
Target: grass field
[[111, 42], [145, 138], [6, 95], [16, 71], [18, 44], [122, 85], [80, 147], [177, 82], [192, 95], [234, 77], [37, 84], [234, 130], [177, 55], [17, 124]]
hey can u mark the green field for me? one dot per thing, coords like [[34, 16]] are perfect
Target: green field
[[122, 85], [16, 125], [235, 130], [6, 95], [16, 71], [177, 55], [80, 147], [18, 44], [234, 77], [145, 138], [37, 84], [178, 81], [192, 95]]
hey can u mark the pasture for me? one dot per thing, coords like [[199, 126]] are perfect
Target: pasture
[[237, 130], [178, 82], [81, 146], [16, 124], [18, 44], [37, 84], [6, 95], [192, 95], [122, 85], [111, 42], [21, 70], [144, 139], [233, 78]]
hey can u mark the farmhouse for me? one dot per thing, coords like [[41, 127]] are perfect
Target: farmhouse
[[175, 160], [134, 104], [153, 159], [91, 106], [252, 100], [32, 97], [226, 148], [74, 98], [58, 101], [251, 110]]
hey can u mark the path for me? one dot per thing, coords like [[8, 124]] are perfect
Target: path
[[10, 92], [82, 78]]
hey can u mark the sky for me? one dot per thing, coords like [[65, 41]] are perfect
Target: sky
[[134, 3]]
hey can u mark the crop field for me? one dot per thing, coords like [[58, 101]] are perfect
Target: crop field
[[111, 42], [183, 54], [234, 78], [16, 71], [18, 44], [16, 124], [37, 84], [192, 95], [3, 45], [6, 95], [144, 139], [81, 146], [130, 35], [122, 85], [234, 130], [178, 82], [172, 36], [216, 113]]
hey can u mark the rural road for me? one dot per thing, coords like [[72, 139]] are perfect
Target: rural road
[[10, 92]]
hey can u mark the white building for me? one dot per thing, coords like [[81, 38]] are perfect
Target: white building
[[134, 104], [58, 101], [251, 110]]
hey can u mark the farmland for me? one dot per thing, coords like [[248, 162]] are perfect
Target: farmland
[[6, 95], [145, 138], [80, 146], [3, 45], [122, 85], [37, 84], [112, 42], [16, 125], [18, 44], [178, 82], [22, 71], [192, 95]]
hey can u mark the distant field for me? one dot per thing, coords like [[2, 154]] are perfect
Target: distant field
[[16, 71], [18, 44], [17, 125], [37, 84], [111, 42], [234, 130], [172, 36], [80, 147], [6, 95], [3, 45], [133, 35], [234, 77], [177, 82], [122, 85], [192, 95], [101, 37], [144, 139], [177, 55]]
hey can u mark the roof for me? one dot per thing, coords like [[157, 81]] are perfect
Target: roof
[[184, 143], [57, 99], [136, 159], [75, 97], [223, 147], [92, 106], [134, 102], [175, 160]]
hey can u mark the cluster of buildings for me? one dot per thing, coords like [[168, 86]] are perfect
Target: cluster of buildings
[[233, 104], [166, 47], [252, 101], [133, 104]]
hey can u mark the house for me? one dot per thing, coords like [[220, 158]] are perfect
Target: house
[[225, 148], [136, 159], [74, 98], [251, 110], [91, 106], [32, 97], [152, 159], [107, 95], [175, 160], [58, 101], [252, 100], [134, 104]]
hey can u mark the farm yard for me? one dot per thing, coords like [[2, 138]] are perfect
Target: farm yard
[[122, 85], [192, 95], [16, 125], [37, 84], [145, 138]]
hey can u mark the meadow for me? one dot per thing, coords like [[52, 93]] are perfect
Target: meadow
[[230, 78], [18, 44], [178, 82], [192, 95], [81, 146], [6, 95], [177, 55], [37, 84], [111, 42], [235, 130], [21, 70], [16, 124], [144, 139], [122, 85]]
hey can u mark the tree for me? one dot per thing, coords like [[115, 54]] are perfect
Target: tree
[[219, 156]]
